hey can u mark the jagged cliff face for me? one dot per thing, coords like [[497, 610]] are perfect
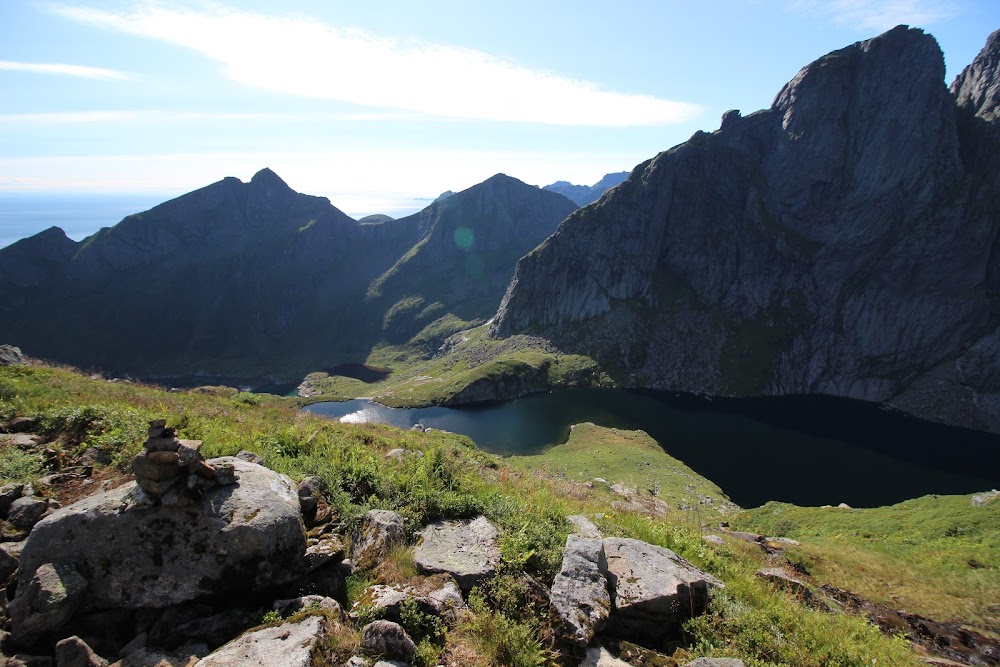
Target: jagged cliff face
[[841, 242]]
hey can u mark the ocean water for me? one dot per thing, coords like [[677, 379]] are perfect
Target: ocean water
[[80, 215]]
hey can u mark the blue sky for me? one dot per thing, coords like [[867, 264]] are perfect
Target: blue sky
[[371, 103]]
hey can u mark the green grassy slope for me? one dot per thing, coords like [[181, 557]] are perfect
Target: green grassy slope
[[452, 479]]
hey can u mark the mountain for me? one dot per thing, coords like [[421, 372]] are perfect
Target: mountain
[[843, 241], [461, 265], [256, 282], [583, 195]]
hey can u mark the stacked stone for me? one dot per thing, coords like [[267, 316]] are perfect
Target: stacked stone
[[172, 471]]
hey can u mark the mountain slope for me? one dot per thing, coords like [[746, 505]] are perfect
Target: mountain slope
[[842, 242], [461, 265], [235, 279], [582, 195]]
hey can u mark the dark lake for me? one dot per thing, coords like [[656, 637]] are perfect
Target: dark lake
[[807, 450]]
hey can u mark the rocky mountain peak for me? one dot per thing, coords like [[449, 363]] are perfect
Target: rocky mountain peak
[[977, 88], [838, 242]]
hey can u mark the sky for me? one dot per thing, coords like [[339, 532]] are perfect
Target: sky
[[382, 104]]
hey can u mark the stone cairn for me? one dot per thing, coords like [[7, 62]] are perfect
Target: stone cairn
[[172, 472]]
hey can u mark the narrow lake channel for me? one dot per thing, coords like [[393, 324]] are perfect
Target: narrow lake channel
[[807, 450]]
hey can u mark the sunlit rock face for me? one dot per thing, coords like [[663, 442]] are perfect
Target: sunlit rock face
[[843, 241]]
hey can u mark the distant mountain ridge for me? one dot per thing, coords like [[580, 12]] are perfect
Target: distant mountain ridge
[[582, 195], [243, 279], [843, 241]]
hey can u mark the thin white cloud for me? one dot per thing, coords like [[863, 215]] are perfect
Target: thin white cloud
[[878, 15], [152, 115], [309, 58], [81, 71]]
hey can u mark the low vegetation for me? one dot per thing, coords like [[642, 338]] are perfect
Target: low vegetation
[[422, 376], [937, 556], [529, 499]]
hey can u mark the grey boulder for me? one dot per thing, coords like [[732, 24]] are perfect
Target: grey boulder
[[288, 645], [653, 591], [598, 656], [579, 596], [74, 652], [45, 601], [469, 550], [387, 638], [239, 536], [378, 532]]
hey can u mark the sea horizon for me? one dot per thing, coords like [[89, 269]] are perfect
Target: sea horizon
[[81, 214]]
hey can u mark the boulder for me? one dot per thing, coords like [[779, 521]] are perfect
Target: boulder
[[378, 532], [217, 629], [74, 652], [583, 526], [653, 591], [145, 657], [45, 601], [325, 549], [598, 656], [310, 493], [242, 536], [288, 645], [8, 494], [469, 550], [8, 561], [387, 638], [579, 596], [250, 457], [25, 512], [386, 601], [11, 356], [295, 605]]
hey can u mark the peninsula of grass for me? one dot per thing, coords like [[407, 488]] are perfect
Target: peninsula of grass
[[614, 456]]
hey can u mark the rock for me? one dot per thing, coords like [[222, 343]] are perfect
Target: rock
[[288, 645], [327, 549], [74, 652], [21, 440], [398, 453], [239, 537], [377, 533], [11, 356], [598, 656], [295, 605], [715, 662], [217, 629], [22, 660], [310, 493], [584, 527], [22, 424], [145, 657], [8, 494], [391, 663], [25, 512], [714, 540], [138, 642], [250, 457], [783, 541], [793, 585], [225, 473], [46, 599], [447, 601], [653, 591], [387, 638], [579, 596], [8, 561], [469, 551], [356, 661], [385, 601], [843, 506], [979, 500], [93, 456]]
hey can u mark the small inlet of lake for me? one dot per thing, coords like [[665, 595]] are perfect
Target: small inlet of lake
[[807, 450]]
